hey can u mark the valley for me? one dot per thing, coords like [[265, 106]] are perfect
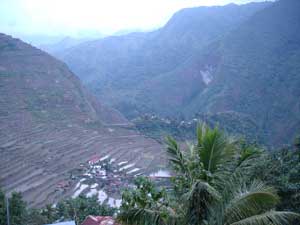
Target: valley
[[158, 127]]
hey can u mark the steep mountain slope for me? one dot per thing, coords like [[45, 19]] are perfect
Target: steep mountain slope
[[259, 73], [139, 71], [238, 71], [49, 125]]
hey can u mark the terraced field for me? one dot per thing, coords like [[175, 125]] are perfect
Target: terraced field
[[49, 125], [35, 161]]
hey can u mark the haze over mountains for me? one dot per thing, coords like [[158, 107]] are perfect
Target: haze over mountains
[[50, 124], [130, 62], [238, 61]]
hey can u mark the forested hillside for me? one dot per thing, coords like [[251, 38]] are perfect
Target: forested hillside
[[130, 71], [258, 74], [232, 62]]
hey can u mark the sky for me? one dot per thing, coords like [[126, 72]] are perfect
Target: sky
[[78, 17]]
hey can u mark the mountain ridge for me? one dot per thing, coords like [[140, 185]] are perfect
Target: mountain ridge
[[119, 68], [237, 70]]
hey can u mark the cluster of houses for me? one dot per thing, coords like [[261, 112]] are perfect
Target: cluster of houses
[[105, 177], [109, 174], [102, 176], [177, 122]]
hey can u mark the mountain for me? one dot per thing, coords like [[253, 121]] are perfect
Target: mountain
[[139, 72], [50, 125], [259, 73], [38, 39], [62, 44], [236, 65]]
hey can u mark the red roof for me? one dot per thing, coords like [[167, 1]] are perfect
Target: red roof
[[94, 159], [99, 220]]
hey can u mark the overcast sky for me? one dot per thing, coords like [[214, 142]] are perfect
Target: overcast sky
[[72, 17]]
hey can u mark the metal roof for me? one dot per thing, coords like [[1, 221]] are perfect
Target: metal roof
[[63, 223]]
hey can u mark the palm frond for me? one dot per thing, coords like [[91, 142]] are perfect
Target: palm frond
[[247, 156], [199, 199], [214, 149], [248, 200], [271, 217], [176, 157], [192, 150], [200, 131]]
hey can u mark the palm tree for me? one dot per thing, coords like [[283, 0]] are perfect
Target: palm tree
[[238, 203], [213, 176], [147, 205], [212, 187], [212, 159]]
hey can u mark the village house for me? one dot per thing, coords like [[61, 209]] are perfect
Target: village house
[[99, 220]]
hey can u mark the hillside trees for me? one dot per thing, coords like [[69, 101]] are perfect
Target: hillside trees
[[2, 208], [79, 208], [147, 204], [70, 209], [281, 169], [17, 209]]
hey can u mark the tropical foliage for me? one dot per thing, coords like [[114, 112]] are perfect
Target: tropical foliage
[[214, 183], [71, 209], [281, 169], [217, 180], [17, 209], [147, 204]]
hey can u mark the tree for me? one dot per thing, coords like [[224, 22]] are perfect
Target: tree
[[35, 217], [17, 209], [71, 209], [49, 212], [147, 205], [281, 169], [247, 203], [79, 208], [218, 159], [2, 208], [212, 185]]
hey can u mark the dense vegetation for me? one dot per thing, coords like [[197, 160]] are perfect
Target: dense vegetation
[[219, 181], [157, 127], [76, 209]]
